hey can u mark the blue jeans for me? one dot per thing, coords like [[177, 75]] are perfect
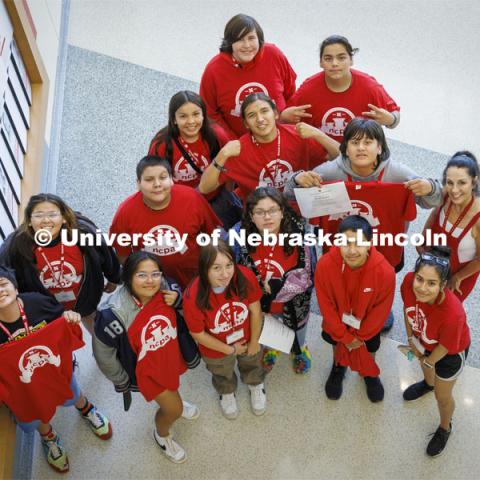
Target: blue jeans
[[28, 427]]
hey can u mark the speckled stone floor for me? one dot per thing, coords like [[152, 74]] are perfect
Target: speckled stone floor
[[108, 120]]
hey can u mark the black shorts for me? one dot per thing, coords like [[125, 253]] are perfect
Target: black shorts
[[450, 366], [373, 344]]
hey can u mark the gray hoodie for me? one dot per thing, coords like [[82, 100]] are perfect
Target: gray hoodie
[[340, 169]]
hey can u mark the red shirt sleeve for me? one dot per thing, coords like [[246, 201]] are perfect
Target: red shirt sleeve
[[374, 321], [316, 154], [289, 77], [254, 291], [332, 323], [382, 99], [450, 333], [118, 226], [208, 91], [222, 135], [194, 317], [157, 148]]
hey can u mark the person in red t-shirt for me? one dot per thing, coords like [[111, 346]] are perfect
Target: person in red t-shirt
[[223, 313], [190, 142], [333, 97], [285, 272], [24, 314], [438, 336], [245, 64], [72, 272], [269, 153], [355, 286], [459, 219], [143, 308], [171, 215]]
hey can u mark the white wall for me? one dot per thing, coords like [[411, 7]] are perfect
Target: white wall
[[424, 52], [46, 15]]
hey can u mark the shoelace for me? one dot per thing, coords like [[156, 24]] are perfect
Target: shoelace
[[171, 446], [95, 418]]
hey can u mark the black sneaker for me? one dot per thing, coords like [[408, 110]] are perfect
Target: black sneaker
[[375, 391], [417, 390], [437, 444], [333, 387]]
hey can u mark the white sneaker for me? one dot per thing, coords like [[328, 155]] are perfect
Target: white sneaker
[[171, 449], [228, 402], [190, 411], [258, 399]]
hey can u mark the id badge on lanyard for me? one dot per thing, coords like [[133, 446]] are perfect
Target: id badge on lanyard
[[351, 321], [65, 296], [236, 335]]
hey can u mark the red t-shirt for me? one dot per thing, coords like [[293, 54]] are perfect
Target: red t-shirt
[[444, 323], [188, 213], [228, 315], [153, 337], [225, 84], [37, 371], [387, 207], [199, 151], [272, 263], [331, 111], [259, 165], [63, 280]]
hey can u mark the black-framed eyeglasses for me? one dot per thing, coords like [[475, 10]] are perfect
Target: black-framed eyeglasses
[[428, 257]]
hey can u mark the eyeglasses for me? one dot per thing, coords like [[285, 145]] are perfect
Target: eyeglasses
[[47, 215], [144, 276], [263, 213]]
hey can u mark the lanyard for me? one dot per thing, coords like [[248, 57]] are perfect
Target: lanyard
[[186, 146], [137, 303], [277, 164], [266, 264], [58, 282], [231, 319], [24, 319], [460, 217]]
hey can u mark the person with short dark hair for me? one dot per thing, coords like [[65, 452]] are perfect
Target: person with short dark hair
[[355, 287], [438, 336], [172, 215], [269, 153], [22, 319], [245, 64], [459, 219], [136, 345], [330, 99], [73, 274], [223, 313]]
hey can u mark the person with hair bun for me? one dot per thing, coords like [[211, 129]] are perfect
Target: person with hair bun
[[330, 99], [245, 64], [223, 313], [73, 274], [269, 153], [438, 335], [459, 219]]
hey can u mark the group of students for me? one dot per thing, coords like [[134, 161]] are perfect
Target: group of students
[[231, 158]]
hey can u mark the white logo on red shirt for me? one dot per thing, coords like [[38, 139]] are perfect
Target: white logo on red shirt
[[335, 120], [36, 357], [418, 321], [166, 241], [275, 269], [243, 92], [240, 314], [358, 208], [156, 334], [55, 279], [184, 172], [275, 174]]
